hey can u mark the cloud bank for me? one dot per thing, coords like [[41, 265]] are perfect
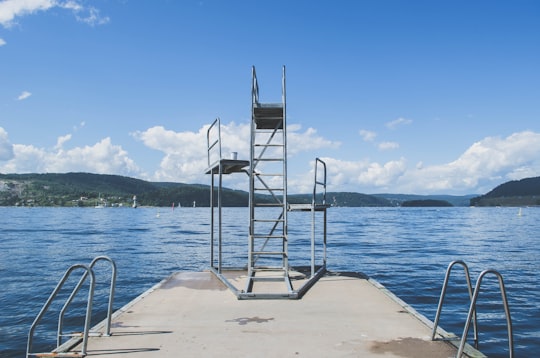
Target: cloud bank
[[484, 165]]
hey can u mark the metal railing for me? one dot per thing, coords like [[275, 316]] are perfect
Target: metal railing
[[472, 310], [472, 314], [254, 87], [76, 290], [213, 138], [443, 293], [88, 272], [318, 182]]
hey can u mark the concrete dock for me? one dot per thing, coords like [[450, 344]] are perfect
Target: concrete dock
[[193, 314]]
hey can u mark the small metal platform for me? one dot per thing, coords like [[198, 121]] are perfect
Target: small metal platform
[[228, 166], [193, 314]]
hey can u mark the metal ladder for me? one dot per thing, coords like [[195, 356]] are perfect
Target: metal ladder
[[268, 239], [268, 258], [471, 316], [61, 351]]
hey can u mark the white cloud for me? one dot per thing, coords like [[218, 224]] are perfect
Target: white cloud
[[483, 166], [2, 42], [363, 175], [367, 136], [79, 126], [6, 148], [24, 95], [91, 16], [102, 157], [398, 123], [388, 145], [185, 156], [11, 9], [61, 140], [306, 141], [183, 153]]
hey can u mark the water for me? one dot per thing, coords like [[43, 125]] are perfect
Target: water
[[406, 249]]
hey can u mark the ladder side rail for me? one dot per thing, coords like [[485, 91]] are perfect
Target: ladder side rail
[[76, 290], [472, 310], [252, 165], [284, 202], [443, 294], [51, 299], [254, 87]]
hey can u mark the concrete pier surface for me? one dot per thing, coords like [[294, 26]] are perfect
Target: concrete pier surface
[[193, 314]]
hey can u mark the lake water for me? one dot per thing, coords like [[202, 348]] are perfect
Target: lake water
[[405, 249]]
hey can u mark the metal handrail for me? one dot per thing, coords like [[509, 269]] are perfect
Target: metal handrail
[[321, 183], [443, 293], [51, 298], [313, 204], [76, 290], [210, 146], [254, 87], [472, 311]]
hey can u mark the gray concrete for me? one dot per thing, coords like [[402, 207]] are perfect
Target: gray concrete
[[193, 314]]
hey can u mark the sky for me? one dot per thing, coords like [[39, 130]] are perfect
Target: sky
[[412, 97]]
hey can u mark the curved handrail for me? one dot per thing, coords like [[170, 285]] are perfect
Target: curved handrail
[[321, 182], [443, 293], [76, 290], [472, 309], [51, 298]]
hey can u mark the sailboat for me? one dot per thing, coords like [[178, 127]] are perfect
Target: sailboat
[[100, 204]]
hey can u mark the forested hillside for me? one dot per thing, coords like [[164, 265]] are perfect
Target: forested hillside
[[86, 189], [513, 193]]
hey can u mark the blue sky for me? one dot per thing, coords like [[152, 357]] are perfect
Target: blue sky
[[419, 97]]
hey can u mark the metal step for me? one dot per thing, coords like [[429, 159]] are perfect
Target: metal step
[[269, 253], [268, 236]]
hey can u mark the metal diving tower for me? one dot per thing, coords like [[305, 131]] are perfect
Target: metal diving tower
[[268, 273]]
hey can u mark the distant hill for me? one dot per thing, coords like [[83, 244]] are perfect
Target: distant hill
[[522, 192], [455, 200], [425, 203], [86, 189]]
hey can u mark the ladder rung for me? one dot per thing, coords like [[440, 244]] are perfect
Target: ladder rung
[[268, 145], [272, 253], [268, 174], [268, 160], [57, 354], [269, 269], [268, 220], [268, 237], [268, 278]]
